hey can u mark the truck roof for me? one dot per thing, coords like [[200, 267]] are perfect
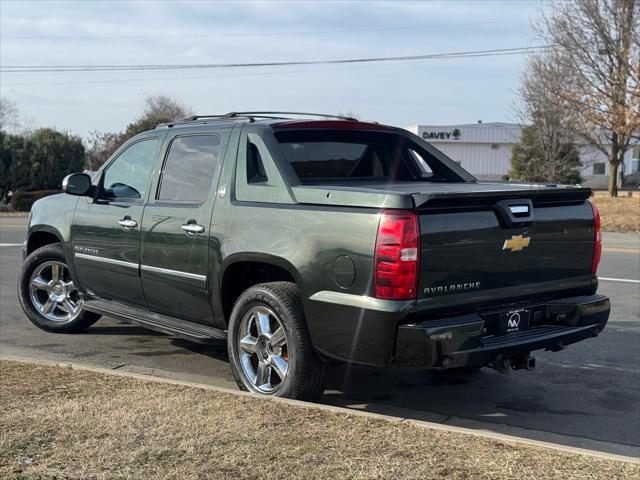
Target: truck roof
[[282, 119]]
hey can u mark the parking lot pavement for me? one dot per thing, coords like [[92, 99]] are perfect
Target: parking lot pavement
[[12, 230], [587, 395]]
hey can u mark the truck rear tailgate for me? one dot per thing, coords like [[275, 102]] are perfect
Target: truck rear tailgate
[[486, 249]]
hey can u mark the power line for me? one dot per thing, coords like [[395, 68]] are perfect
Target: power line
[[262, 73], [262, 34], [129, 68], [279, 1]]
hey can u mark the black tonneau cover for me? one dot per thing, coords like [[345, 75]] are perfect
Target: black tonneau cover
[[426, 194]]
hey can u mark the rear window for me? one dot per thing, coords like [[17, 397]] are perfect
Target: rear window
[[333, 159], [330, 155]]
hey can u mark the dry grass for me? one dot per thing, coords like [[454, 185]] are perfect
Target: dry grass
[[13, 214], [619, 214], [62, 423]]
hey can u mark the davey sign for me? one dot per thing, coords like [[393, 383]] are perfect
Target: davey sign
[[442, 135]]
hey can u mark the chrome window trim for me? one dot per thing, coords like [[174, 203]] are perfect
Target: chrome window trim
[[177, 273], [113, 261]]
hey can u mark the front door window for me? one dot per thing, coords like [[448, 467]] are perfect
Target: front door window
[[127, 178]]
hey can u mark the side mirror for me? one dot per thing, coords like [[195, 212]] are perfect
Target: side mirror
[[77, 184]]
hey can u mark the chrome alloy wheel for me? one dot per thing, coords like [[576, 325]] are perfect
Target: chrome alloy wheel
[[262, 347], [53, 293]]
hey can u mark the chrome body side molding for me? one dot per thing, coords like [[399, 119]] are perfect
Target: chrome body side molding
[[177, 273], [361, 301], [113, 261], [146, 268]]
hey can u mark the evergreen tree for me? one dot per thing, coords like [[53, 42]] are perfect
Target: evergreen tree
[[529, 163]]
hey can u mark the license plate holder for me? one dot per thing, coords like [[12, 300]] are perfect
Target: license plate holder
[[514, 321]]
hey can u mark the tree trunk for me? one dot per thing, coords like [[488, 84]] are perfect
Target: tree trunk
[[613, 178], [613, 165]]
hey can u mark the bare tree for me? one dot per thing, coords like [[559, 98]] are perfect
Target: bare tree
[[543, 108], [165, 106], [9, 118], [99, 147], [598, 47], [157, 109]]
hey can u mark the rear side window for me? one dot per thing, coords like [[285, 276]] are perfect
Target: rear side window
[[255, 166], [189, 168], [422, 164]]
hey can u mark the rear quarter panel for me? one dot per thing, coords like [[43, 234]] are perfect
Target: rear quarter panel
[[306, 241]]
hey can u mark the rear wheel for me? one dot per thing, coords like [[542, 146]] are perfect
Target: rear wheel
[[270, 351], [48, 294]]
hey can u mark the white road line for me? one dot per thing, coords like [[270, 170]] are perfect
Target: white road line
[[625, 280], [10, 244]]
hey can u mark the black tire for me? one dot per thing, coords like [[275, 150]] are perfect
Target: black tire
[[49, 253], [305, 375]]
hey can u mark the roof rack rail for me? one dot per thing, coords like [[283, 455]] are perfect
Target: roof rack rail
[[267, 115], [199, 119], [250, 116]]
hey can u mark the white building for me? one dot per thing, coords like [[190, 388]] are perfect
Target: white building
[[484, 149]]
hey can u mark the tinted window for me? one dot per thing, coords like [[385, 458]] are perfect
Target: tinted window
[[255, 165], [326, 155], [316, 155], [128, 176], [332, 159], [189, 168]]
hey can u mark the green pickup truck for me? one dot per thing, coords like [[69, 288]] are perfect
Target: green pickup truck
[[303, 242]]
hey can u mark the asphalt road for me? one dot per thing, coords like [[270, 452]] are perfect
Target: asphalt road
[[587, 395]]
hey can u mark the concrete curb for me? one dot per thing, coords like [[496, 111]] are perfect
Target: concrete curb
[[508, 439]]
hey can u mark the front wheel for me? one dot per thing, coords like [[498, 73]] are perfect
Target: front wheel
[[270, 351], [48, 294]]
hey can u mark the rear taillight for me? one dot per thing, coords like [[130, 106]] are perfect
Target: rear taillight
[[397, 254], [597, 239]]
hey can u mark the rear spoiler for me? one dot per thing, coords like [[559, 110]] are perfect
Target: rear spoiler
[[539, 196], [449, 197]]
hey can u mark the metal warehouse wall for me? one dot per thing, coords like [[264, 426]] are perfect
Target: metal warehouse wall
[[484, 149], [484, 159]]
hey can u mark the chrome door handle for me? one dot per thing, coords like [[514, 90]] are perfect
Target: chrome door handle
[[127, 224], [192, 228]]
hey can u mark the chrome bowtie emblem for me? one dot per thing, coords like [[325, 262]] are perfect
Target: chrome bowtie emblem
[[516, 243]]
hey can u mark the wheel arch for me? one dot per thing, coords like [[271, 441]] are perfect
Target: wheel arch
[[40, 236], [243, 270]]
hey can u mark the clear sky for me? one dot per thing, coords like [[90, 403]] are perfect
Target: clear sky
[[95, 32]]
